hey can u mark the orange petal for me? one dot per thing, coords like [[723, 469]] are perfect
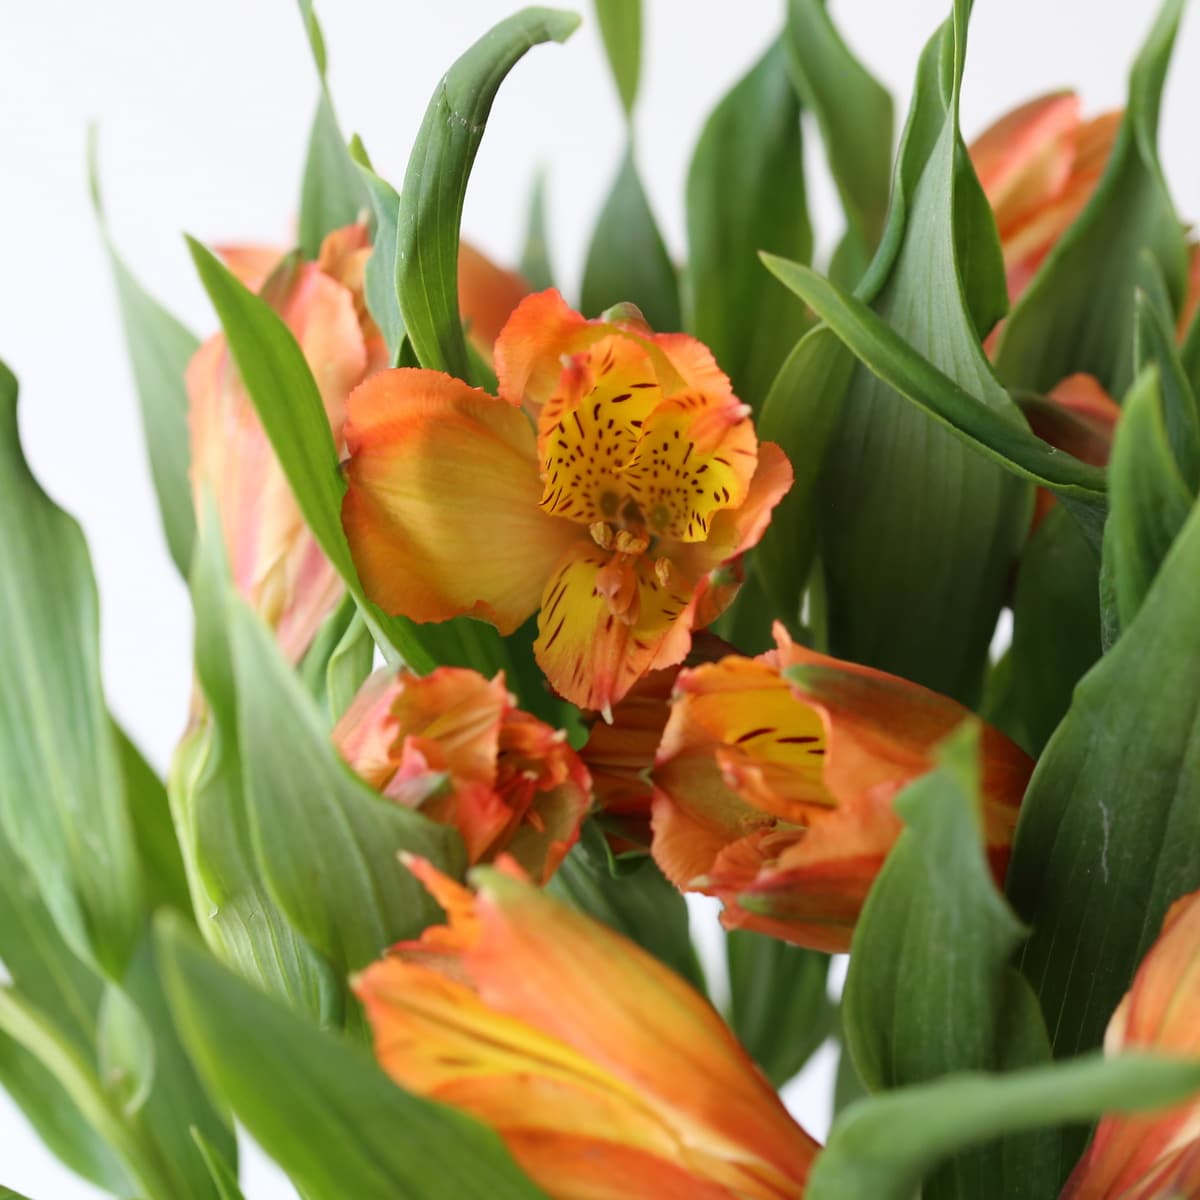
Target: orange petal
[[251, 265], [585, 1168], [589, 653], [487, 296], [1139, 1155], [811, 890], [441, 508], [530, 348], [1024, 159], [883, 730], [274, 559], [541, 962], [1191, 300], [734, 531]]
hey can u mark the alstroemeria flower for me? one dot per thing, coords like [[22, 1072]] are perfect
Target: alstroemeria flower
[[619, 754], [1039, 166], [1152, 1156], [612, 486], [276, 562], [455, 746], [606, 1075], [775, 780], [487, 295], [1078, 416]]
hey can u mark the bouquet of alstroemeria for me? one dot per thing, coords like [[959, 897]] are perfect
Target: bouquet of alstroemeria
[[518, 618]]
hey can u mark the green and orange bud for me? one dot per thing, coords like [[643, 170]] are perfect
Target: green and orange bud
[[775, 779], [612, 485], [1039, 166], [275, 560], [454, 746], [1152, 1156], [606, 1075]]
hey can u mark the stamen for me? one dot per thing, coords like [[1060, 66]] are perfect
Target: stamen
[[602, 534]]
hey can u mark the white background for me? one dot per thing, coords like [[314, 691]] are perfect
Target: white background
[[203, 112]]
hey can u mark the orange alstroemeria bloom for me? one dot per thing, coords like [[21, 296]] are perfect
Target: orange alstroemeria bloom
[[1152, 1156], [1039, 166], [487, 295], [455, 746], [775, 780], [606, 1075], [275, 560], [613, 485]]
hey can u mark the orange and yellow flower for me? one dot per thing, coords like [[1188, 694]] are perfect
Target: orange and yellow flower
[[1152, 1156], [1039, 166], [606, 1075], [612, 486], [276, 562], [775, 779], [455, 746]]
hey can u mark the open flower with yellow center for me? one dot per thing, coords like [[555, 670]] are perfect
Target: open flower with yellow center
[[612, 485], [1039, 166], [775, 779], [454, 745], [1152, 1156], [607, 1076], [275, 561]]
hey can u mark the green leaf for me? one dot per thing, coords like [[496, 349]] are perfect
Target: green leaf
[[223, 1178], [327, 844], [1108, 828], [149, 1138], [435, 184], [349, 666], [390, 1145], [379, 283], [163, 874], [75, 1074], [1078, 313], [535, 255], [778, 1006], [988, 432], [917, 532], [233, 908], [176, 1101], [332, 193], [627, 259], [62, 987], [745, 193], [160, 349], [881, 1148], [62, 800], [930, 990], [1154, 345], [801, 415], [1056, 625], [1150, 501], [638, 902], [854, 115], [621, 28]]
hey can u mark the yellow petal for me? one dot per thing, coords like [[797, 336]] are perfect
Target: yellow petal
[[441, 508]]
